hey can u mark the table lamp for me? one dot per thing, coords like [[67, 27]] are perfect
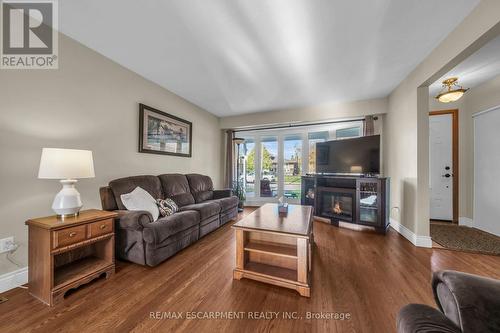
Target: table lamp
[[66, 165]]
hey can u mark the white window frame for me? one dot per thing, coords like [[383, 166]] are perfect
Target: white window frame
[[280, 134]]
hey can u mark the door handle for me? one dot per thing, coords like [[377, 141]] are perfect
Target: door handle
[[447, 175]]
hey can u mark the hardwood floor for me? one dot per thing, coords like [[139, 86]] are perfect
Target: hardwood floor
[[367, 275]]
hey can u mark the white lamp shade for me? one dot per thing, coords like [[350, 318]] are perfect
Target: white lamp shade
[[57, 163]]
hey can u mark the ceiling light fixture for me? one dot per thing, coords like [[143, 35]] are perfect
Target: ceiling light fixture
[[451, 91]]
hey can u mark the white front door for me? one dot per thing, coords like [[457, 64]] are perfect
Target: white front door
[[441, 166]]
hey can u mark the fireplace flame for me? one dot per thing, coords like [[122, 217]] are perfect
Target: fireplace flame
[[336, 208]]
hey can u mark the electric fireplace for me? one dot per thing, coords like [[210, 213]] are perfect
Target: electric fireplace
[[349, 200], [336, 203]]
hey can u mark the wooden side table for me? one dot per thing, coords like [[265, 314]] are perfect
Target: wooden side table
[[66, 253]]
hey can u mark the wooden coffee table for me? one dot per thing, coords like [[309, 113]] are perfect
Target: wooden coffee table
[[276, 249]]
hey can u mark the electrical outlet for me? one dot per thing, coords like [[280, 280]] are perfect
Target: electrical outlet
[[7, 244]]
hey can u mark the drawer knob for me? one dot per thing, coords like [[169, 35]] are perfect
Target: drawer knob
[[102, 226], [72, 234]]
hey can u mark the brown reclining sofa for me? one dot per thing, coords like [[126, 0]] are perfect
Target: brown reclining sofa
[[201, 210]]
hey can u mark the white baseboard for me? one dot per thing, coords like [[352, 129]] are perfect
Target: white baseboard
[[420, 241], [465, 221], [13, 279]]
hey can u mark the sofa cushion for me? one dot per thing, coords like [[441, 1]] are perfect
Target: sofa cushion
[[157, 232], [140, 199], [167, 207], [226, 203], [126, 185], [201, 187], [206, 209], [176, 187]]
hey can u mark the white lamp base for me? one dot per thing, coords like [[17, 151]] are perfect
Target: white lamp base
[[67, 202]]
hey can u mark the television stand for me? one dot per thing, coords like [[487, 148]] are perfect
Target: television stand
[[356, 200]]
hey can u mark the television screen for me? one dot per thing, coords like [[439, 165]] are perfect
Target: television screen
[[349, 156]]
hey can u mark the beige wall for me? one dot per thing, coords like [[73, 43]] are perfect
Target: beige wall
[[319, 113], [89, 103], [479, 98], [400, 147], [406, 125], [324, 112]]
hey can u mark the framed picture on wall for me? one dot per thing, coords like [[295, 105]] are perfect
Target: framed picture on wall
[[163, 133]]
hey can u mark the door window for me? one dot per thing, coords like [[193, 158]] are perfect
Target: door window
[[247, 158], [269, 167], [292, 165]]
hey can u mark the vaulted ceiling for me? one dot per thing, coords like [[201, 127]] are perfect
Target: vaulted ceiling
[[237, 56]]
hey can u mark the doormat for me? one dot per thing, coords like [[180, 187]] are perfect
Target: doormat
[[462, 238]]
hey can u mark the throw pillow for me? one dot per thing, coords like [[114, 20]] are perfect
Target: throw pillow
[[167, 207], [140, 199]]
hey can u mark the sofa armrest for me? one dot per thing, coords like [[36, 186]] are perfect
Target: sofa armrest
[[159, 230], [423, 318], [472, 302], [226, 193], [133, 219]]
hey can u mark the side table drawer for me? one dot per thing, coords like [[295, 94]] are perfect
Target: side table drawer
[[100, 228], [69, 236]]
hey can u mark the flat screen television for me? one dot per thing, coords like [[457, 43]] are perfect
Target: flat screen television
[[349, 156]]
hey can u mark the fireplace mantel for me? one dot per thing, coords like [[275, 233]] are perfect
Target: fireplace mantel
[[351, 200]]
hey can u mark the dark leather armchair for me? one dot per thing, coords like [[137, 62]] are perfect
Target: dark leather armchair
[[466, 302]]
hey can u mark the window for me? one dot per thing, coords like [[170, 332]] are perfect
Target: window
[[292, 165], [273, 161], [314, 138], [269, 167], [247, 160], [348, 132]]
